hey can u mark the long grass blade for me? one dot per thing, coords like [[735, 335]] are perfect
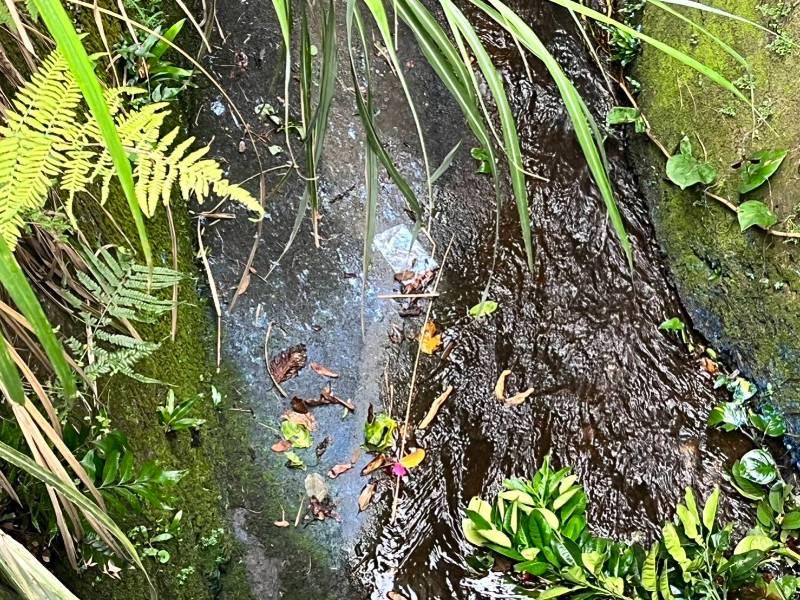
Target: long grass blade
[[13, 280], [718, 11], [576, 109], [507, 122], [380, 18], [71, 493], [10, 381], [306, 86], [726, 47], [665, 48], [27, 575], [367, 121], [446, 162], [60, 27], [327, 85]]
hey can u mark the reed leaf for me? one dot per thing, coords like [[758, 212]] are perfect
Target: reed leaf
[[508, 125], [27, 575], [18, 288], [69, 43], [576, 109]]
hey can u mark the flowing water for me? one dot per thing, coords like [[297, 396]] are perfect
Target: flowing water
[[614, 397]]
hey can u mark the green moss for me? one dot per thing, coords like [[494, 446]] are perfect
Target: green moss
[[741, 289]]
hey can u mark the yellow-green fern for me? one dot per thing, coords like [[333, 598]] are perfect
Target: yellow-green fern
[[43, 144]]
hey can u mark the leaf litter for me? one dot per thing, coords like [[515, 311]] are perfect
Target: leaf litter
[[289, 363]]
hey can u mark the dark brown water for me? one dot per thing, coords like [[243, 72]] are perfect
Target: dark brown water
[[615, 398]]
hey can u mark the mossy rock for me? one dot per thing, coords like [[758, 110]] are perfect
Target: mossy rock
[[741, 289]]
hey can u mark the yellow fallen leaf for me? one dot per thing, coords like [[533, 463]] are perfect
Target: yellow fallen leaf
[[365, 497], [434, 409], [500, 386], [429, 340], [413, 459], [520, 397]]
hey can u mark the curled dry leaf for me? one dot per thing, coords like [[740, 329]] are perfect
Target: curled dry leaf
[[282, 446], [288, 363], [299, 405], [322, 447], [435, 406], [429, 340], [519, 398], [395, 596], [323, 370], [316, 487], [326, 396], [282, 523], [305, 419], [365, 497], [375, 464], [339, 469], [500, 386]]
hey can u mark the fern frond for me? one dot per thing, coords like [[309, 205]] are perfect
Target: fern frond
[[42, 117]]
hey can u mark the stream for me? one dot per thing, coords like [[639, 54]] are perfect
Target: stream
[[614, 397]]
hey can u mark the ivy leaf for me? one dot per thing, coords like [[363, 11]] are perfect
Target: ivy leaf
[[484, 160], [759, 467], [622, 115], [684, 170], [760, 167], [770, 421], [755, 212]]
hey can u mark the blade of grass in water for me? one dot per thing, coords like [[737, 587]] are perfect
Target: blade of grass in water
[[446, 162], [308, 127], [576, 109], [60, 27], [13, 280], [665, 48], [727, 48], [508, 125], [380, 18], [353, 16]]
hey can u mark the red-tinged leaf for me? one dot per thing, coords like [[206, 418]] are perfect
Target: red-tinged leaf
[[339, 469], [365, 497], [323, 370], [282, 446], [288, 363]]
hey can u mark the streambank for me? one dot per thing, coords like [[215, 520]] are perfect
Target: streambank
[[740, 289]]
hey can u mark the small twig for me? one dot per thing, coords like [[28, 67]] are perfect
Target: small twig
[[396, 493], [174, 241], [266, 360], [214, 295], [299, 513]]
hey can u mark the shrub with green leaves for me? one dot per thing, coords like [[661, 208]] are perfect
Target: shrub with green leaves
[[540, 524]]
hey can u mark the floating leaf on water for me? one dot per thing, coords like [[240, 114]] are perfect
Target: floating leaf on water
[[500, 386], [429, 340], [519, 397], [297, 434], [323, 370], [282, 446], [375, 464], [413, 459], [337, 470], [435, 406], [365, 497], [622, 115], [379, 434], [684, 170], [316, 487], [760, 167], [293, 461], [483, 309], [288, 363], [754, 212]]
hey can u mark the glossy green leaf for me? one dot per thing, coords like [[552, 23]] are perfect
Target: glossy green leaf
[[483, 309], [623, 115], [754, 542], [760, 167], [710, 509], [728, 416], [650, 569], [672, 543], [759, 466]]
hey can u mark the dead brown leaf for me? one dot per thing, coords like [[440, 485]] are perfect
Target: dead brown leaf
[[365, 497], [500, 386], [339, 469], [288, 363], [306, 419], [326, 396], [282, 446], [519, 398], [429, 340], [435, 406], [323, 370], [375, 464], [395, 596], [322, 447], [282, 523], [299, 405]]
